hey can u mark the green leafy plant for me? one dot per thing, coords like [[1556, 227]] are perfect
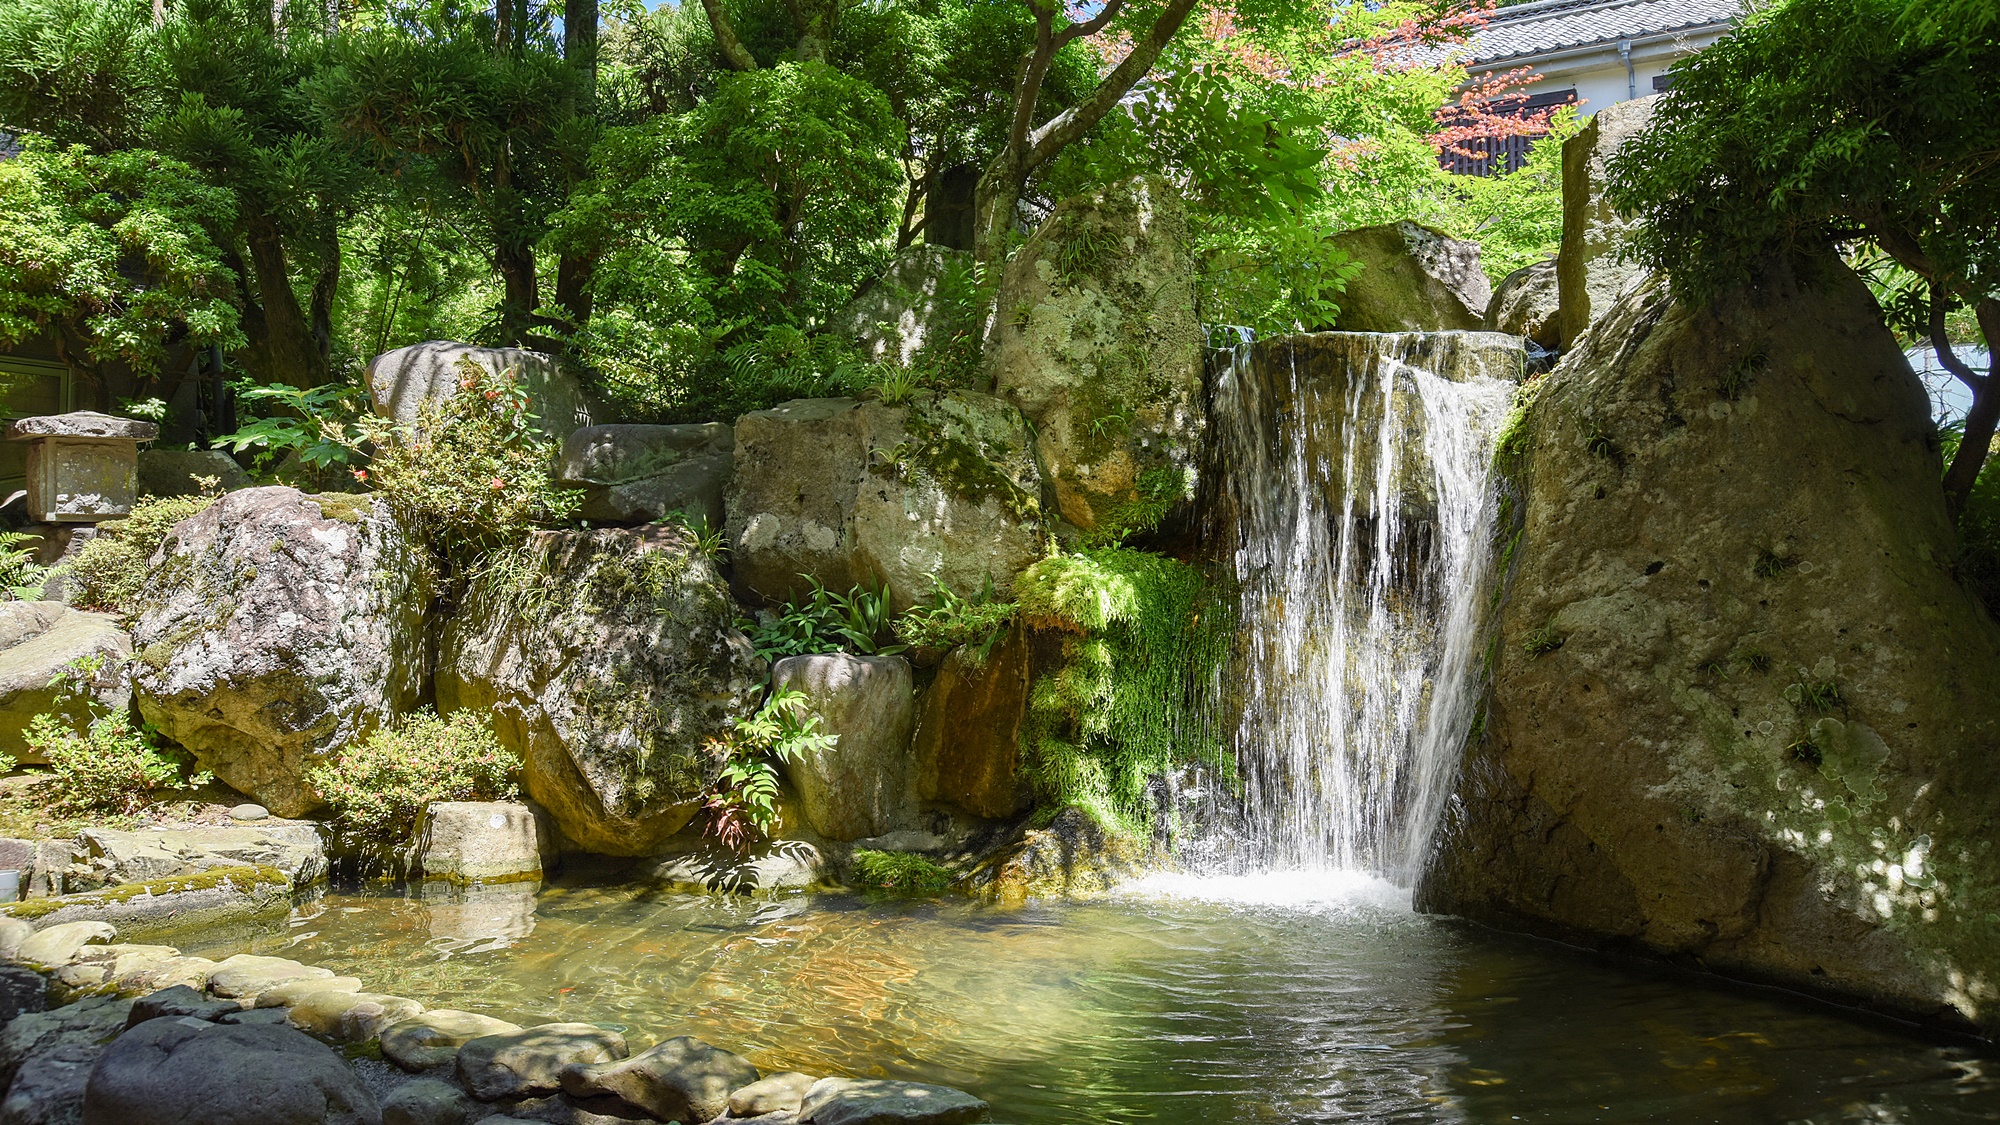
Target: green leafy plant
[[1813, 695], [1136, 645], [901, 872], [20, 575], [109, 766], [379, 787], [949, 621], [1542, 641], [326, 426], [743, 805], [858, 621], [894, 385]]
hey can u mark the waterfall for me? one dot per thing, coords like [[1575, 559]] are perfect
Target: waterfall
[[1359, 480]]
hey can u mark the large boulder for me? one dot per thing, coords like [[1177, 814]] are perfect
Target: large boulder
[[275, 628], [1589, 274], [895, 316], [1412, 279], [944, 490], [968, 739], [433, 1038], [511, 1064], [1741, 714], [49, 1090], [400, 382], [86, 1023], [860, 785], [637, 474], [1097, 341], [1526, 304], [45, 649], [187, 1072], [610, 660]]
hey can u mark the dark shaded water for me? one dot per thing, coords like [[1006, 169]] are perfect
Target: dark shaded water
[[1155, 1007]]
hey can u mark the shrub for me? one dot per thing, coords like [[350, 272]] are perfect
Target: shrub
[[472, 473], [107, 573], [901, 872], [110, 767], [1141, 641], [20, 576], [379, 787]]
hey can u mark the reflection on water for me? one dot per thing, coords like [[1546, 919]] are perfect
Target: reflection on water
[[1274, 999]]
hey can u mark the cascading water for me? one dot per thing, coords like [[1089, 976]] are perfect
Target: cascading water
[[1359, 478]]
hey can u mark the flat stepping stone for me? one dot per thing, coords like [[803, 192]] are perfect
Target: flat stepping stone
[[433, 1038], [349, 1017], [774, 1093], [880, 1101], [249, 813], [682, 1079], [531, 1061], [291, 992], [59, 944], [249, 975]]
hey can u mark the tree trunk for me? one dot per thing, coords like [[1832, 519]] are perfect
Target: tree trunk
[[573, 270], [1977, 441], [326, 287], [993, 204], [517, 308], [290, 354]]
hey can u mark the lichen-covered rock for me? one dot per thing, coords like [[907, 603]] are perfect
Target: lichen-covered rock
[[968, 739], [860, 785], [1095, 338], [1526, 304], [85, 1023], [485, 842], [111, 857], [849, 492], [1589, 274], [609, 660], [41, 644], [1412, 279], [49, 1090], [276, 628], [400, 382], [1741, 712], [637, 474]]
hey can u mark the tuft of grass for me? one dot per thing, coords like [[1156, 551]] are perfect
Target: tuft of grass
[[1771, 564], [1804, 751], [1754, 660], [1542, 641], [901, 872], [1814, 696]]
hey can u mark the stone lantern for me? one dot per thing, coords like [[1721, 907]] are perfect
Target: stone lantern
[[82, 466]]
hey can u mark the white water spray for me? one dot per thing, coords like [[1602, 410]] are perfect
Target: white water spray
[[1359, 468]]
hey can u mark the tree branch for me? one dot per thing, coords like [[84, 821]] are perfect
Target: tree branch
[[1091, 26], [1941, 344], [733, 51], [1028, 85], [1079, 119]]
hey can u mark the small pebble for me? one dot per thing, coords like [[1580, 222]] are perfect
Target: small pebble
[[249, 812]]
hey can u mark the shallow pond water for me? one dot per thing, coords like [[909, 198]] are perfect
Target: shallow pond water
[[1273, 1000]]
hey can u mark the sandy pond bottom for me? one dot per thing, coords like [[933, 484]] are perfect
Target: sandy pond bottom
[[1288, 998]]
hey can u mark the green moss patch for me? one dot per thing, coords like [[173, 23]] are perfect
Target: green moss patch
[[244, 879]]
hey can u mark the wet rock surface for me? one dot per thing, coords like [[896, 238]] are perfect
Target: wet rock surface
[[879, 1101], [183, 1072], [518, 1063]]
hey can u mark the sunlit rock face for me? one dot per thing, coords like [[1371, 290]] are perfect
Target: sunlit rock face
[[1741, 712], [611, 662], [1095, 338], [942, 491]]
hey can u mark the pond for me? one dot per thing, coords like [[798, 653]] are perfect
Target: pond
[[1276, 999]]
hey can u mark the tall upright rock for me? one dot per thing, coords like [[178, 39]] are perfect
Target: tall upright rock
[[1095, 338], [1412, 279], [1741, 714], [1589, 273]]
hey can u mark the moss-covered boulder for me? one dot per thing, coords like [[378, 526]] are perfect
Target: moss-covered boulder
[[943, 490], [1742, 713], [1412, 279], [276, 627], [610, 660], [1096, 339]]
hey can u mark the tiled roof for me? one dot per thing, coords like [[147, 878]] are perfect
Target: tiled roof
[[1556, 25]]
